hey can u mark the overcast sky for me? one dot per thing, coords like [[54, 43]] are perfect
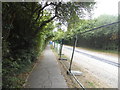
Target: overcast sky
[[109, 7]]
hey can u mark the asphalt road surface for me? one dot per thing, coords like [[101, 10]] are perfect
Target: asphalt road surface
[[103, 66], [47, 73]]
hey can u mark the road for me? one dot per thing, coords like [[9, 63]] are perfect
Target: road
[[102, 66]]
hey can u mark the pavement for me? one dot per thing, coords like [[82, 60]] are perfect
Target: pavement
[[47, 73]]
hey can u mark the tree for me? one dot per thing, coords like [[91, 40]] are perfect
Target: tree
[[21, 46], [103, 38], [27, 27]]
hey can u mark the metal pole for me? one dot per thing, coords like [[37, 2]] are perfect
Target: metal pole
[[57, 46], [61, 45], [54, 44], [80, 84], [75, 42]]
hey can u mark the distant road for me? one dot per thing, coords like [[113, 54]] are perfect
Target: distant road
[[97, 57], [104, 67]]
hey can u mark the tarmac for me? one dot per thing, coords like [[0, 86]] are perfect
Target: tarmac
[[47, 73]]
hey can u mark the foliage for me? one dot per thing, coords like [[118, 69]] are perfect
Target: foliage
[[71, 15], [21, 45], [27, 27], [103, 38]]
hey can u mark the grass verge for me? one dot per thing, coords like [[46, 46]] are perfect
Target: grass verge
[[87, 79]]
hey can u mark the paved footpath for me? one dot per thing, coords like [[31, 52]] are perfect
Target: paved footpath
[[47, 73]]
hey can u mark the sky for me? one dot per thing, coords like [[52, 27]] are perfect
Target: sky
[[109, 7]]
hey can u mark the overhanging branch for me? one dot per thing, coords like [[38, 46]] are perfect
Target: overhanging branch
[[49, 20], [40, 9], [44, 23]]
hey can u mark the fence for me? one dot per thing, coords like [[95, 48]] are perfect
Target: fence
[[58, 47]]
